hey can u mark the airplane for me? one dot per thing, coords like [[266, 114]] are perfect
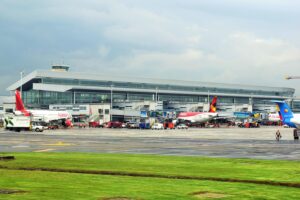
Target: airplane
[[274, 117], [43, 115], [200, 117], [287, 116]]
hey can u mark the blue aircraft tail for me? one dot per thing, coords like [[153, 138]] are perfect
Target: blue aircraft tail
[[284, 111]]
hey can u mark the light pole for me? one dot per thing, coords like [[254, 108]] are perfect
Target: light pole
[[208, 100], [21, 87], [111, 101], [156, 94], [74, 98]]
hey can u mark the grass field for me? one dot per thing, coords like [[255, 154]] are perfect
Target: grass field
[[145, 177]]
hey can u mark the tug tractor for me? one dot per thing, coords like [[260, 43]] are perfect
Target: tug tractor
[[168, 123], [249, 125]]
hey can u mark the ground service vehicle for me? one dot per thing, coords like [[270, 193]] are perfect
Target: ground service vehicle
[[114, 125], [144, 125], [133, 125], [17, 123], [249, 125], [182, 126], [37, 127], [81, 125], [158, 126], [169, 125], [53, 126], [95, 124]]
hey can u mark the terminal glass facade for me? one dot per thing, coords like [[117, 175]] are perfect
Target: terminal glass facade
[[131, 92], [296, 106], [34, 98], [76, 82]]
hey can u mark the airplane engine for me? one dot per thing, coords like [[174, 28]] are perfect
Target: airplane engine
[[68, 123], [18, 112]]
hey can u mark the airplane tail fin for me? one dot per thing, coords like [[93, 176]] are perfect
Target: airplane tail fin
[[279, 113], [284, 112], [213, 105], [19, 104]]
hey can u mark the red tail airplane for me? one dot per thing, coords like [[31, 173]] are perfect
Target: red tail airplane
[[200, 116], [44, 115]]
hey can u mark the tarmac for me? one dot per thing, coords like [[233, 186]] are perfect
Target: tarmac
[[259, 143]]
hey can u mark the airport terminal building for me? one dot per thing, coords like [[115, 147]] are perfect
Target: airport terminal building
[[59, 88]]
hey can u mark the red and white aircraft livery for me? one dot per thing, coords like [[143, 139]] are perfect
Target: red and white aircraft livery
[[200, 117], [44, 115], [274, 117]]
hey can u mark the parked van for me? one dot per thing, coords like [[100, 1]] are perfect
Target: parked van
[[158, 126]]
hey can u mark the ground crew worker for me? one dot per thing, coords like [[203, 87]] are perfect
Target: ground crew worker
[[296, 136], [278, 135]]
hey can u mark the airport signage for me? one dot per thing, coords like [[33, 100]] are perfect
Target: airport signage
[[72, 109]]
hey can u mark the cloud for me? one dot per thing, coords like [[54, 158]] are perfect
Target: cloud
[[103, 51], [253, 42], [243, 58], [264, 51]]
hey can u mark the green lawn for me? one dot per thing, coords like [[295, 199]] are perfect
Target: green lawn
[[57, 185]]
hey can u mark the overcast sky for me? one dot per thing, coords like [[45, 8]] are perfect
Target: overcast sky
[[232, 41]]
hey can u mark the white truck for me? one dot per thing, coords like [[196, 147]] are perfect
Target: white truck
[[17, 122], [21, 123]]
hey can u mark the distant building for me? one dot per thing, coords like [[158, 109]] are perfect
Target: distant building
[[7, 104]]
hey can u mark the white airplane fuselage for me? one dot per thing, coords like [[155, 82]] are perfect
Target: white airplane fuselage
[[199, 117], [296, 120], [49, 115], [274, 117]]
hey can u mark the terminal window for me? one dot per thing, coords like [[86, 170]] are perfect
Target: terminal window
[[9, 110]]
